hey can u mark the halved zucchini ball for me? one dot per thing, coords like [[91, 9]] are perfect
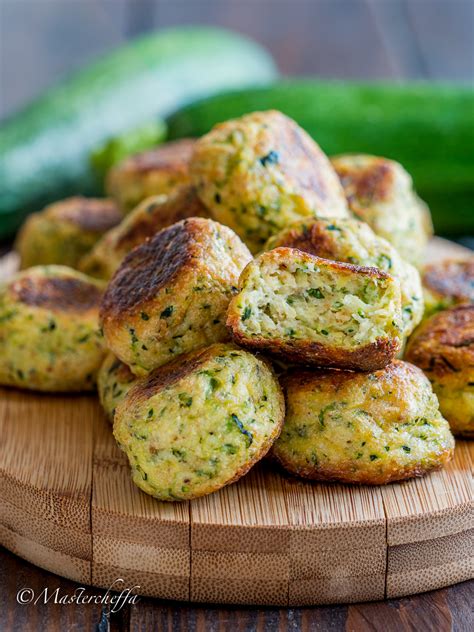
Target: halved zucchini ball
[[315, 311], [351, 241]]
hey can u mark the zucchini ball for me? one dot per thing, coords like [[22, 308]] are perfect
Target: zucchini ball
[[261, 172], [49, 336], [114, 380], [310, 310], [370, 428], [148, 218], [154, 172], [170, 294], [200, 422], [443, 347], [351, 241], [380, 192], [448, 283], [65, 231]]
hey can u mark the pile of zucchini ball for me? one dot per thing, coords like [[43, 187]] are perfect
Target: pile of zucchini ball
[[242, 295]]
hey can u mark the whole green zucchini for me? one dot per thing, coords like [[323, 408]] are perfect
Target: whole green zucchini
[[428, 128], [45, 148]]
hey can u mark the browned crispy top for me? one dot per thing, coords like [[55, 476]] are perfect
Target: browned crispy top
[[169, 374], [181, 204], [56, 293], [445, 343], [284, 256], [91, 214], [370, 183], [301, 158], [152, 265], [334, 380], [454, 278], [314, 238], [173, 156]]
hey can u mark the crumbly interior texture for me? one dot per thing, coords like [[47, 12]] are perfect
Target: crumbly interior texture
[[114, 380], [261, 172], [363, 427], [309, 300], [202, 430], [380, 192], [53, 347], [352, 241]]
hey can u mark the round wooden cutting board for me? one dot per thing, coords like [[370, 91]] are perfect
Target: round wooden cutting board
[[68, 505]]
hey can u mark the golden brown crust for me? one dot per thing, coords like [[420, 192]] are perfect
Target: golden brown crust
[[372, 183], [173, 156], [297, 148], [91, 214], [332, 380], [152, 266], [57, 294], [314, 239], [282, 254], [168, 374], [451, 278], [160, 214], [346, 474], [375, 355], [444, 344]]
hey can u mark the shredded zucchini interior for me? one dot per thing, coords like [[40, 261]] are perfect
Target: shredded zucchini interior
[[305, 300]]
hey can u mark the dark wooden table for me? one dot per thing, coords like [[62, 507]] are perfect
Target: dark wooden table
[[395, 39], [450, 609]]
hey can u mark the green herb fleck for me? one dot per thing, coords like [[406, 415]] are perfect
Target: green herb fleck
[[247, 313], [185, 399], [271, 158], [166, 313], [240, 426], [229, 448]]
